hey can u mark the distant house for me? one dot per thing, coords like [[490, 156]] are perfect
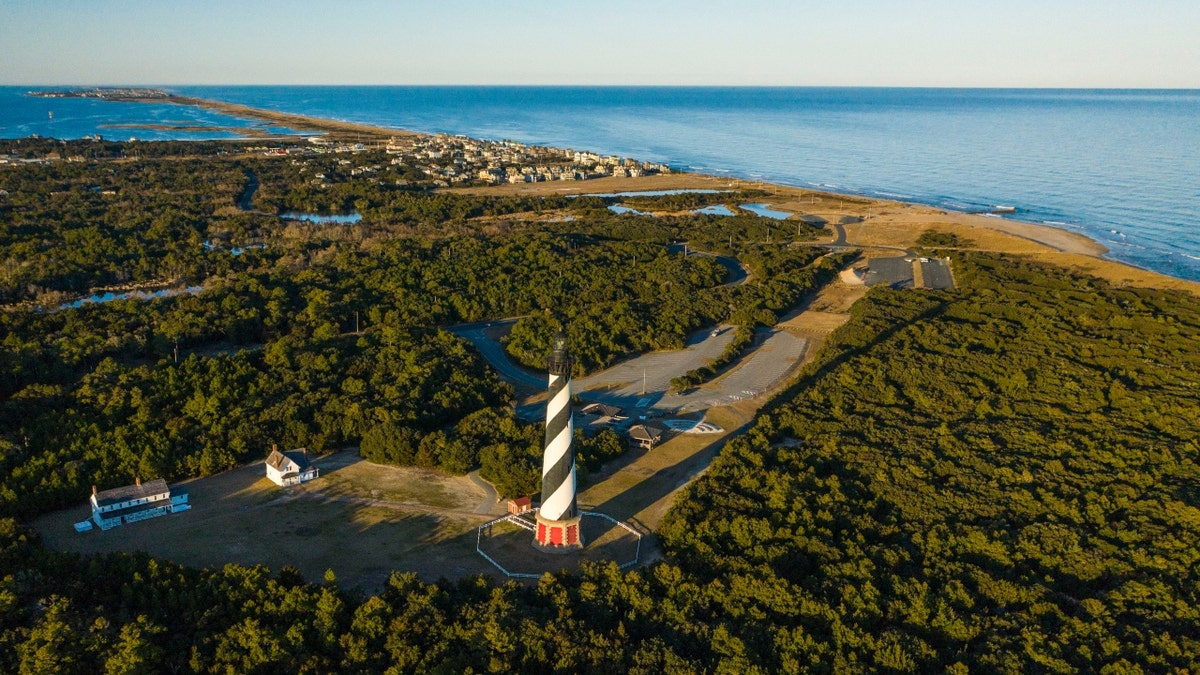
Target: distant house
[[290, 468], [132, 503], [647, 435], [520, 505]]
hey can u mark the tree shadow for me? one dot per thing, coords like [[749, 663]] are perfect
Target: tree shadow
[[337, 460]]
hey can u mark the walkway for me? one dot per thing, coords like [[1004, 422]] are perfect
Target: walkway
[[490, 497]]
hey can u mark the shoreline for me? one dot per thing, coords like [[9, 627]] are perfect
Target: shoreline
[[292, 121], [1059, 245], [1061, 240], [1047, 235], [887, 224]]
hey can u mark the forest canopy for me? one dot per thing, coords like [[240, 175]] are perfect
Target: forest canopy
[[1000, 478]]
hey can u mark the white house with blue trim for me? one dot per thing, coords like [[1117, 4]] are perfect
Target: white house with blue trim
[[140, 501], [292, 467]]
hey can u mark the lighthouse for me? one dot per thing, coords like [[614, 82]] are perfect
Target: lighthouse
[[558, 517]]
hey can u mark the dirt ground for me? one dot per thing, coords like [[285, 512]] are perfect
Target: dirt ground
[[359, 519]]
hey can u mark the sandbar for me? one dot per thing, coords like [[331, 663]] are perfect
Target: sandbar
[[338, 129]]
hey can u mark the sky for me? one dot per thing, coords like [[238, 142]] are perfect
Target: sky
[[935, 43]]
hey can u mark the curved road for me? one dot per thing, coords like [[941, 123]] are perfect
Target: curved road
[[738, 274], [493, 352], [246, 199], [643, 382]]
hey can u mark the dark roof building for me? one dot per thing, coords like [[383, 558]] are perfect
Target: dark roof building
[[600, 410], [648, 434], [129, 493]]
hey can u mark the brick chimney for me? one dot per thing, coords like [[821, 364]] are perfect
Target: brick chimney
[[137, 480]]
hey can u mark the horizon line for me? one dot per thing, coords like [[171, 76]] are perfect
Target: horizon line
[[615, 86]]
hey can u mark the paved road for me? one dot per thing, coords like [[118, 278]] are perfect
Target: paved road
[[246, 199], [493, 352], [643, 382], [738, 274], [759, 372], [841, 236], [840, 242], [622, 385]]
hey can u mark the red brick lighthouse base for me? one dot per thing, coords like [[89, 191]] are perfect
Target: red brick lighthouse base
[[558, 535], [558, 517]]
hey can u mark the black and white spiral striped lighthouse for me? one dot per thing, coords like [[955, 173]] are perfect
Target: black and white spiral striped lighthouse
[[558, 517]]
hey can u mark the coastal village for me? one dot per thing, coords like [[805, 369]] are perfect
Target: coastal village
[[444, 159], [458, 160]]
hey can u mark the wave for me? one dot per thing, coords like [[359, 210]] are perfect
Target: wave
[[1126, 244]]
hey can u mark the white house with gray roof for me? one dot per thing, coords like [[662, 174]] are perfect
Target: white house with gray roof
[[292, 467], [129, 504]]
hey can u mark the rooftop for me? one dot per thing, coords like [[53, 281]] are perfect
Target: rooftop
[[131, 492]]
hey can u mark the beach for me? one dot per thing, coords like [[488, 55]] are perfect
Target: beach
[[888, 224]]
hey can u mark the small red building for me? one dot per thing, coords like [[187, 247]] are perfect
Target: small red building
[[519, 505]]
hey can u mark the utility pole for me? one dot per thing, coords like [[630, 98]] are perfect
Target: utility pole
[[356, 322], [643, 381]]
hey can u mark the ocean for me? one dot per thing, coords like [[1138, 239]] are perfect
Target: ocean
[[1120, 166]]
